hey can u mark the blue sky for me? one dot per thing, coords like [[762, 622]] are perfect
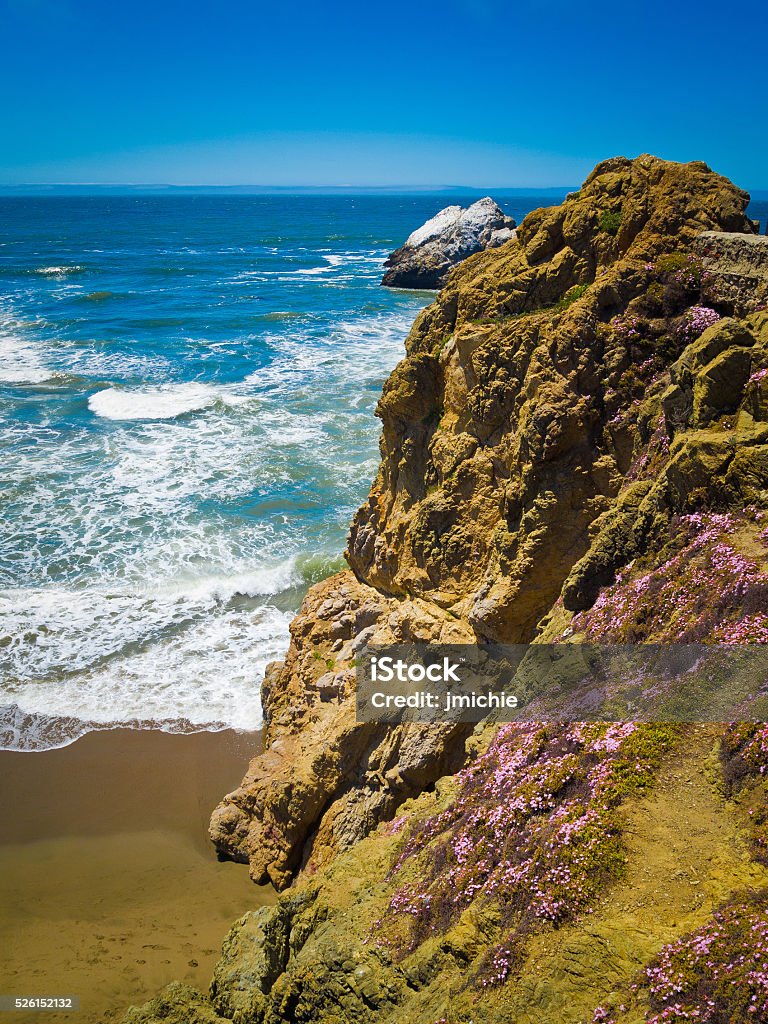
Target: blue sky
[[459, 92]]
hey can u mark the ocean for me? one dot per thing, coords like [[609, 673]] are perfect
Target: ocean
[[187, 386]]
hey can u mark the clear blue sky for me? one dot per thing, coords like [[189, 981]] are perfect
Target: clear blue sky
[[471, 92]]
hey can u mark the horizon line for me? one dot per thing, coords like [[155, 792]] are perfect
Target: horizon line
[[32, 188]]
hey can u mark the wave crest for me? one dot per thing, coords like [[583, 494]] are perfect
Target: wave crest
[[161, 403]]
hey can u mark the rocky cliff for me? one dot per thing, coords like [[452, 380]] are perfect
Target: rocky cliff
[[513, 433], [575, 445]]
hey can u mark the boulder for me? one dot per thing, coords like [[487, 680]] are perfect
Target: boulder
[[448, 238]]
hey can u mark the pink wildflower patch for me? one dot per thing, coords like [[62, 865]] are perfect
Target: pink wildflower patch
[[744, 757], [705, 590], [717, 973], [533, 829], [626, 326], [696, 321]]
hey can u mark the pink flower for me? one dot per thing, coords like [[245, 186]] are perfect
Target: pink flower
[[696, 321]]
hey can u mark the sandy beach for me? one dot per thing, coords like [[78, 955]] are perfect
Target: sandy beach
[[108, 885]]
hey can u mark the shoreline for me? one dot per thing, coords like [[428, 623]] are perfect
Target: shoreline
[[109, 884]]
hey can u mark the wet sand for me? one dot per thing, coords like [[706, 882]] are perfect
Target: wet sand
[[109, 887]]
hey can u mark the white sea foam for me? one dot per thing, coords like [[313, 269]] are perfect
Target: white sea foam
[[59, 271], [191, 650], [21, 361], [37, 730], [102, 362], [160, 403], [30, 353], [294, 430], [365, 265], [310, 271], [208, 674], [341, 259]]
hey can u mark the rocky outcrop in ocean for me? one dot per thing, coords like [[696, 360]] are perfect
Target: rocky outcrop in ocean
[[575, 447], [449, 237]]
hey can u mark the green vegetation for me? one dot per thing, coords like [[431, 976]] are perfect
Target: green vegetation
[[610, 222], [671, 263], [571, 296], [699, 587], [717, 973], [534, 831]]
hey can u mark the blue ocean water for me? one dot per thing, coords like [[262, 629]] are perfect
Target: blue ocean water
[[187, 386]]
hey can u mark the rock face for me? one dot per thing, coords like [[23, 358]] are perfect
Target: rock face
[[581, 415], [325, 780], [736, 269], [509, 427], [449, 237]]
